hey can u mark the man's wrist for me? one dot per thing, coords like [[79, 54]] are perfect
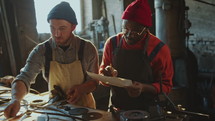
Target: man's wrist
[[16, 99]]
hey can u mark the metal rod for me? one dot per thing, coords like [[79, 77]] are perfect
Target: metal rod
[[59, 115], [201, 1], [114, 24]]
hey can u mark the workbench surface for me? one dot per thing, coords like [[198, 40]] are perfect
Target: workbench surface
[[35, 108]]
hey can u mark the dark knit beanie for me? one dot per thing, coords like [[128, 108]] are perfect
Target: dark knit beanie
[[63, 11]]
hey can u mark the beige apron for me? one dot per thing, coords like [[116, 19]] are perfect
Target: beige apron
[[68, 75]]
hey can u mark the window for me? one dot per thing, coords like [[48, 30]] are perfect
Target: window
[[42, 8]]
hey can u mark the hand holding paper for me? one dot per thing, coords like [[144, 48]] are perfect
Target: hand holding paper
[[109, 71], [115, 81]]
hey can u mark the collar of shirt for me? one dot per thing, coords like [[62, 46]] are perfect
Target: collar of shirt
[[71, 46]]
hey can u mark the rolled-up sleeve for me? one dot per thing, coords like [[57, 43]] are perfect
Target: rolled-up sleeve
[[33, 66]]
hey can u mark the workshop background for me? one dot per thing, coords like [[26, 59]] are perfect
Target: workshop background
[[186, 26]]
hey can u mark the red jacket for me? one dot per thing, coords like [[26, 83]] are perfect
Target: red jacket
[[162, 62]]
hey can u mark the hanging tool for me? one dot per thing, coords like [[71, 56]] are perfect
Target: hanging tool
[[114, 24]]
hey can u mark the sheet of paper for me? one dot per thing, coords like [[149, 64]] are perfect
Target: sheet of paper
[[115, 81]]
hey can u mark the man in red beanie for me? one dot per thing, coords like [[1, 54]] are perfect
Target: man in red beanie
[[137, 55]]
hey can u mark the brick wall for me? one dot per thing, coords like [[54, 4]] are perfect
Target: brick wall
[[202, 43], [204, 49]]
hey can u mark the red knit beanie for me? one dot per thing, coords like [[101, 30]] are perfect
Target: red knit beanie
[[138, 11]]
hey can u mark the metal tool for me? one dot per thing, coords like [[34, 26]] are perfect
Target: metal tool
[[57, 94]]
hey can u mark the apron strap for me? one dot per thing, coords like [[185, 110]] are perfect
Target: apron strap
[[114, 44], [81, 55], [151, 56], [155, 50], [48, 58], [116, 47], [146, 43], [81, 50]]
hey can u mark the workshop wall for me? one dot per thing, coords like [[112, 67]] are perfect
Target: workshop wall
[[200, 15], [114, 13], [202, 43], [104, 8], [19, 32], [87, 14], [26, 26]]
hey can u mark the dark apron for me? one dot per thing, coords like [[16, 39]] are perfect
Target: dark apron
[[134, 65]]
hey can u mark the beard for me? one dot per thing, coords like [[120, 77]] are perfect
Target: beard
[[60, 41], [131, 41]]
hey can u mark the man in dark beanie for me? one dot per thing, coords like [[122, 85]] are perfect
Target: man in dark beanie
[[63, 11], [63, 59], [137, 55]]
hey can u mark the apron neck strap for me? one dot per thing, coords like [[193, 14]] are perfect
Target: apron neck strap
[[146, 42]]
